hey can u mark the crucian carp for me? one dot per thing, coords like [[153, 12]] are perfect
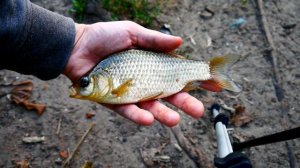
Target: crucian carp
[[136, 75]]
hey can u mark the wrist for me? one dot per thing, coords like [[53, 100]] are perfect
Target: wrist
[[69, 68], [79, 31]]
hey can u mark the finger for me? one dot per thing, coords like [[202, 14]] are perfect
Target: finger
[[122, 35], [153, 40], [187, 103], [133, 113], [161, 112]]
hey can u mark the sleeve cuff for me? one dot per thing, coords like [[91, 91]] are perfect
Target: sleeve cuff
[[48, 45]]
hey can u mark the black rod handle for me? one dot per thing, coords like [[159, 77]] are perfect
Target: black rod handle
[[277, 137]]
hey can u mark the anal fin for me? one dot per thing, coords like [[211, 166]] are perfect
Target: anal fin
[[211, 85], [191, 86]]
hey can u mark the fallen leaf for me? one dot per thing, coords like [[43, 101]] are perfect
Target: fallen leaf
[[40, 108], [25, 83], [18, 98], [21, 93], [88, 164], [22, 164], [239, 109], [22, 90], [241, 116], [45, 87], [89, 115], [64, 154]]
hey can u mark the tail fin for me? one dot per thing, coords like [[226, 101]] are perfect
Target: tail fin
[[220, 80]]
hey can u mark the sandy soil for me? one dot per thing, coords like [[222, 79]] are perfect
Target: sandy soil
[[117, 142]]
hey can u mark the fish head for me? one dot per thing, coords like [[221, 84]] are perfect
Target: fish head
[[83, 88], [92, 87]]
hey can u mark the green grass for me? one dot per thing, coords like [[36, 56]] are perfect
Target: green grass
[[244, 2], [78, 8], [143, 12], [140, 11]]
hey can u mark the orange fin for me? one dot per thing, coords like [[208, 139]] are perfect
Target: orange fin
[[211, 85], [122, 89], [191, 86], [151, 97], [219, 68]]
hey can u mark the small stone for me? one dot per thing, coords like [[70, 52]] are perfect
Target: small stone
[[210, 9], [289, 25], [206, 14], [58, 161], [34, 139]]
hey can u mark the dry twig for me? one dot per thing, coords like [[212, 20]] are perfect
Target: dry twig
[[276, 80], [272, 54], [59, 125], [67, 162], [196, 154], [226, 107]]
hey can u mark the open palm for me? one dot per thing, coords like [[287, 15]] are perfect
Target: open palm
[[97, 41]]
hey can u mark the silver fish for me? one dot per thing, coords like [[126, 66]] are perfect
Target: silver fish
[[136, 75]]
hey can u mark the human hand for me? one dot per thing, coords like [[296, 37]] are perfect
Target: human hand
[[97, 41]]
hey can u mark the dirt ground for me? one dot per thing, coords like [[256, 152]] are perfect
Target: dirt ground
[[117, 142]]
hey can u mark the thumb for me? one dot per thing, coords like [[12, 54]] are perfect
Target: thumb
[[154, 40]]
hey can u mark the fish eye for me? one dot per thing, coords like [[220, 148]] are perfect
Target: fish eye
[[84, 81]]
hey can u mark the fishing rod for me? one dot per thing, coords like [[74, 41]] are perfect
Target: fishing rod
[[229, 155], [277, 137], [226, 158]]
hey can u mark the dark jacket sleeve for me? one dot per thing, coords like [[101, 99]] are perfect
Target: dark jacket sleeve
[[34, 40]]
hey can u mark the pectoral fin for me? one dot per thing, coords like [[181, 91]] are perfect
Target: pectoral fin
[[122, 89]]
